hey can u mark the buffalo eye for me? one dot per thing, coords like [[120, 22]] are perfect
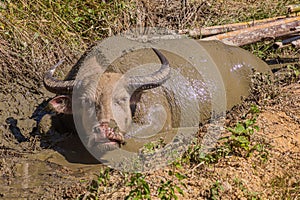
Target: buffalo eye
[[121, 101]]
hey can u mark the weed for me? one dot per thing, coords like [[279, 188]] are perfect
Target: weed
[[215, 190], [241, 134], [237, 143], [151, 147], [293, 72], [249, 194], [167, 189], [141, 189], [285, 186], [98, 186]]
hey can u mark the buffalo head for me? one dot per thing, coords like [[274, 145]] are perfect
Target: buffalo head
[[113, 99]]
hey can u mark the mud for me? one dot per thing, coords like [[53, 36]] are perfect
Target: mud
[[36, 161]]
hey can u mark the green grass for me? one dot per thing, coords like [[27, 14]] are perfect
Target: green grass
[[77, 22], [237, 143], [34, 35]]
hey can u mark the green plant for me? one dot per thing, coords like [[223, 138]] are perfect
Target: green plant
[[263, 151], [215, 190], [140, 187], [151, 147], [241, 133], [285, 186], [295, 72], [97, 186], [167, 188], [238, 142], [195, 154]]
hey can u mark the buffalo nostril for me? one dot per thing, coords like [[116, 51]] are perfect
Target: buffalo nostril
[[96, 129]]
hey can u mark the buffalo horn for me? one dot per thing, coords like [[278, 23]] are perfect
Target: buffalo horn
[[155, 79], [57, 86]]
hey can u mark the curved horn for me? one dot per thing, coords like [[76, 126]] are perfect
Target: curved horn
[[57, 86], [155, 79]]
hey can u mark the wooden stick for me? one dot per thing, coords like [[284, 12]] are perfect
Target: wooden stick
[[257, 33], [213, 30]]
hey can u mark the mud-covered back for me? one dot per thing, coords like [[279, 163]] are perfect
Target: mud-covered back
[[235, 65]]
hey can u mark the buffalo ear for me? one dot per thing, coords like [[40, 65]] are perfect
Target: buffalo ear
[[61, 104]]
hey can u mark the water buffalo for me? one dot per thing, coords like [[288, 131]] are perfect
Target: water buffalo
[[144, 102]]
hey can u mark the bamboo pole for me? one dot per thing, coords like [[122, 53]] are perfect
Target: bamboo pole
[[253, 34], [213, 30]]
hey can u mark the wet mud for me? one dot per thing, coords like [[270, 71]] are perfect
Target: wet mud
[[37, 161]]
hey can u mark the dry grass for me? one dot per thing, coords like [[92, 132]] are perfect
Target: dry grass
[[36, 34]]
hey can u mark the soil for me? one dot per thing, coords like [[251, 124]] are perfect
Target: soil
[[39, 162]]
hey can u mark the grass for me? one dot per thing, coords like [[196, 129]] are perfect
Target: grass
[[285, 186], [34, 35], [76, 22], [215, 190], [237, 143], [140, 187], [37, 34]]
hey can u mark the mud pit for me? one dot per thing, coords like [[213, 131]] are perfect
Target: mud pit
[[34, 163], [39, 165]]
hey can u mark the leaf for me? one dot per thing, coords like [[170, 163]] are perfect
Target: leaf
[[180, 176], [146, 187], [256, 128], [239, 128], [179, 190]]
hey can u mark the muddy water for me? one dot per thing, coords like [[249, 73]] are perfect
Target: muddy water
[[35, 161]]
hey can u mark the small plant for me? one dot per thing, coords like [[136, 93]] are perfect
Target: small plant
[[285, 186], [97, 186], [167, 188], [215, 190], [237, 143], [141, 189], [195, 154], [241, 133], [295, 73], [262, 149], [151, 147]]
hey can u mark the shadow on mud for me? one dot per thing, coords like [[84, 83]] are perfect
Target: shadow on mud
[[58, 132]]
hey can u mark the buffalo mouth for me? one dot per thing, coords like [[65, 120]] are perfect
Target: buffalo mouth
[[106, 137]]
